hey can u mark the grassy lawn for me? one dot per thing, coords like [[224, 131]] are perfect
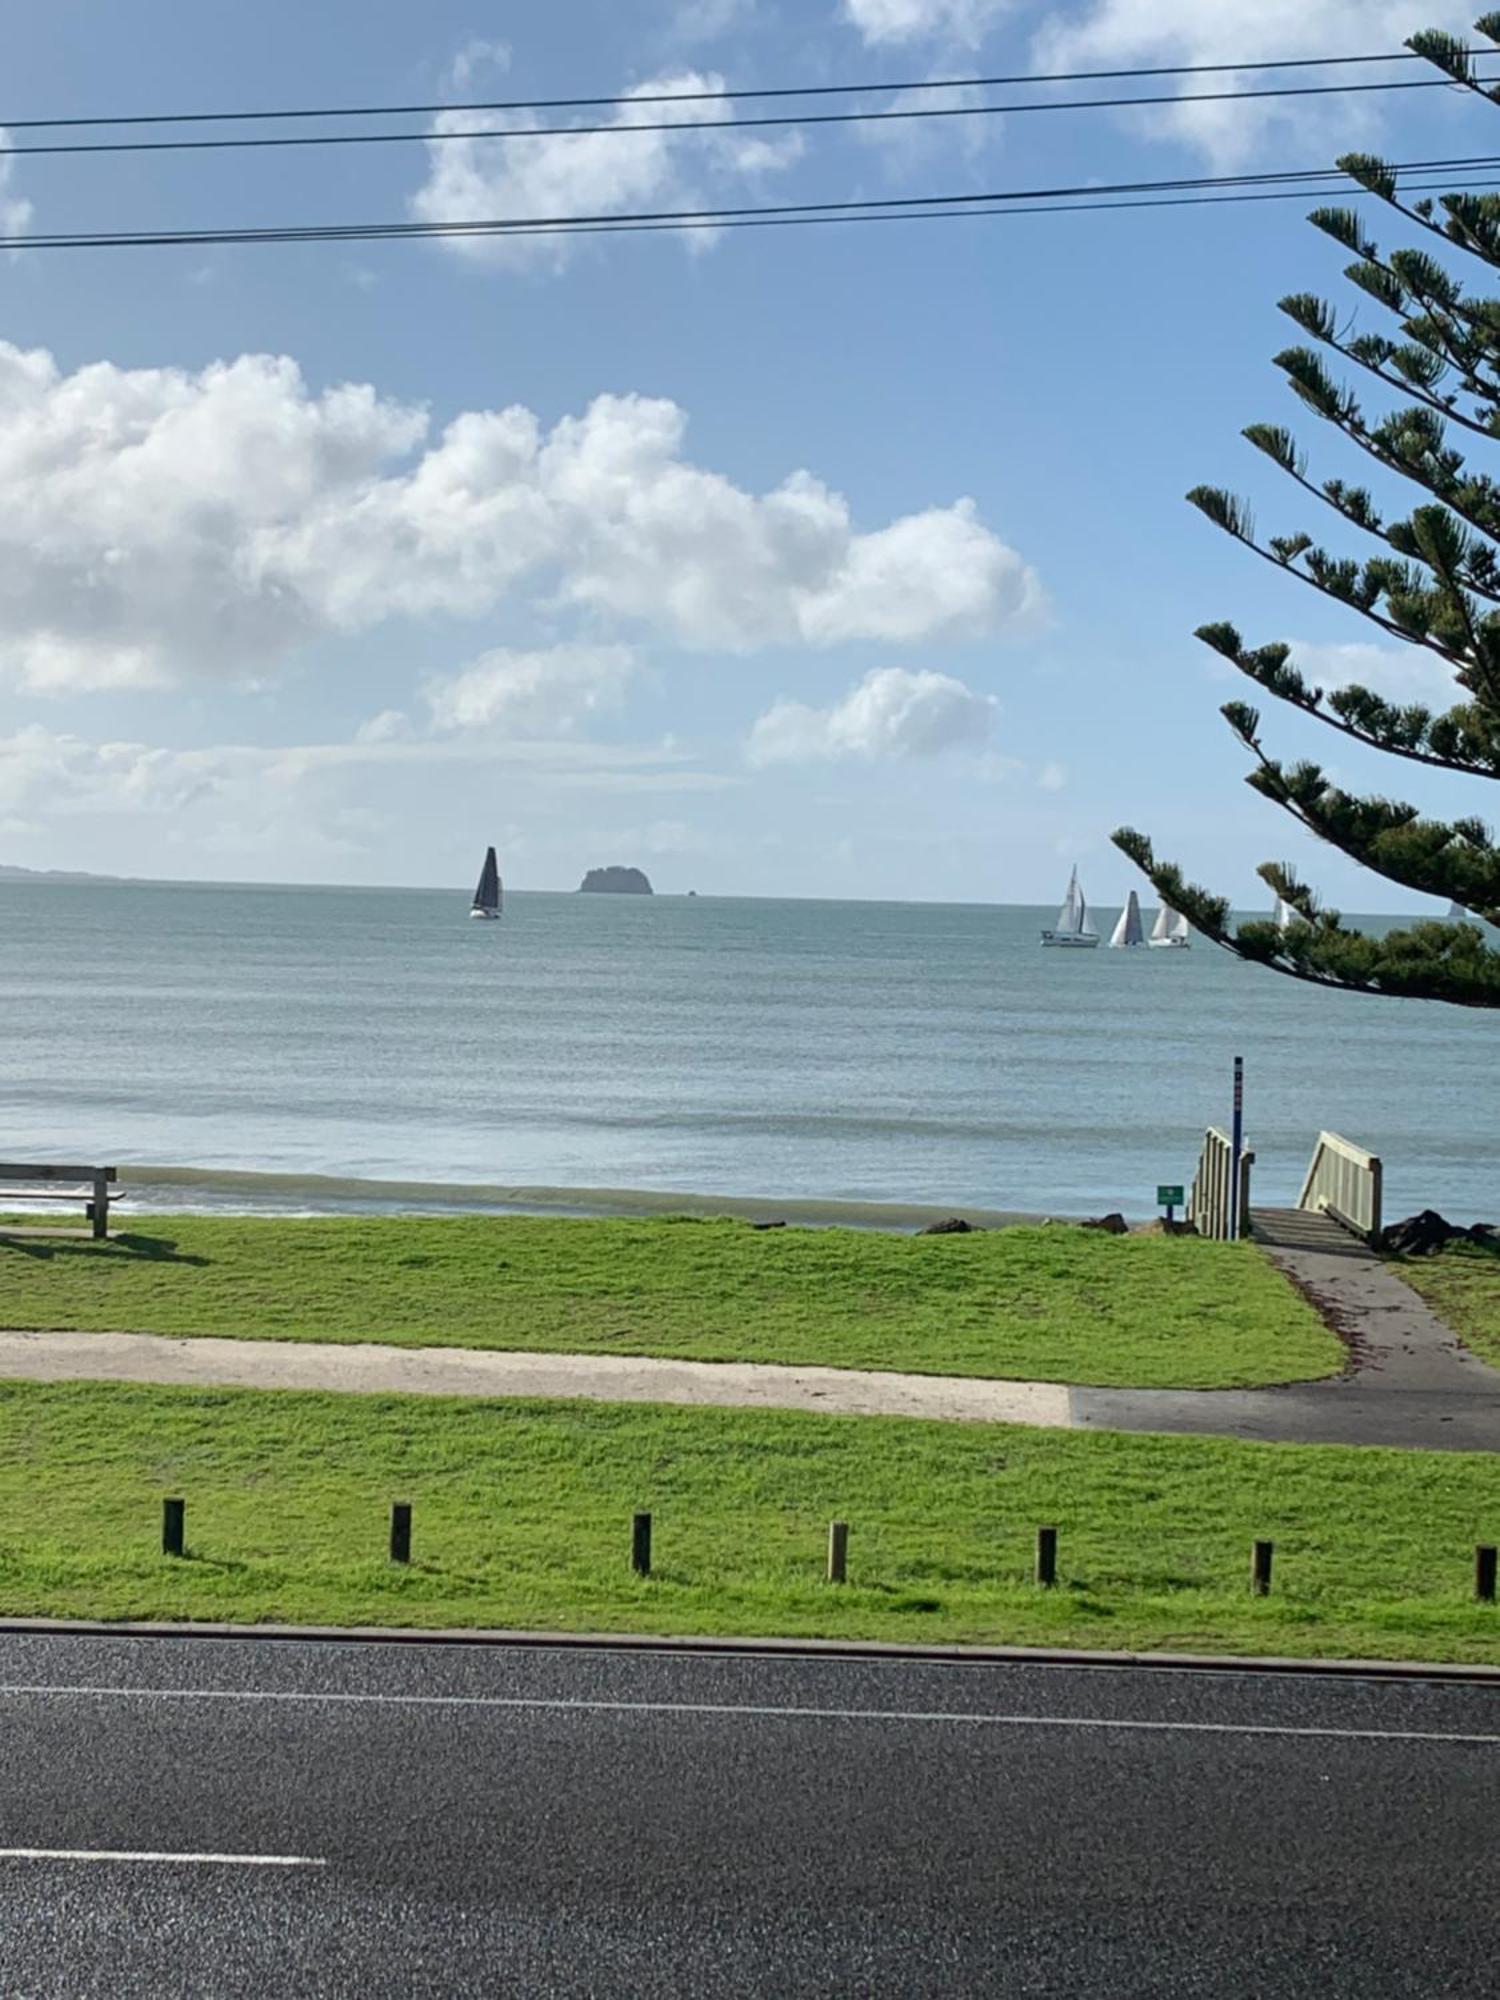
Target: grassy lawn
[[522, 1518], [1055, 1304], [1462, 1283]]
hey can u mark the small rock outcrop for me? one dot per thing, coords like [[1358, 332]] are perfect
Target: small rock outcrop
[[1424, 1234], [1114, 1223], [954, 1225], [615, 882]]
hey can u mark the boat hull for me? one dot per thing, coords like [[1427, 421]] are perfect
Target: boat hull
[[1168, 944], [1071, 940], [485, 916]]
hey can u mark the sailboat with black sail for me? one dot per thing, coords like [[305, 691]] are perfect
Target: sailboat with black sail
[[488, 895]]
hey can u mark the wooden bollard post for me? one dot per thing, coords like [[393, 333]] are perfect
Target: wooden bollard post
[[1260, 1568], [400, 1531], [640, 1545], [1046, 1557], [1484, 1573], [838, 1551], [173, 1520]]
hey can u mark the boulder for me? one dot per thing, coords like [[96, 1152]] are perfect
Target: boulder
[[1420, 1235], [1114, 1223], [953, 1226]]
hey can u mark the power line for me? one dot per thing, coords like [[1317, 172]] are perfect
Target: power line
[[725, 127], [732, 96], [1182, 192]]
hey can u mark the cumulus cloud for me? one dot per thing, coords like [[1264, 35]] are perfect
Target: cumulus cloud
[[161, 524], [892, 712], [545, 693], [965, 22], [1115, 33], [472, 179]]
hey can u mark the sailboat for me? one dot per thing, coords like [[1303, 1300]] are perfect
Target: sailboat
[[1457, 914], [487, 897], [1128, 930], [1285, 915], [1170, 932], [1073, 921]]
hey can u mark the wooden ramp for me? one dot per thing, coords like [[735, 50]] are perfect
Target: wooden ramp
[[1304, 1229]]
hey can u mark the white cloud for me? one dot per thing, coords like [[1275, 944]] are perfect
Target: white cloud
[[1116, 33], [475, 59], [1399, 673], [388, 727], [15, 210], [907, 143], [595, 174], [533, 694], [159, 524], [1052, 777], [892, 712], [54, 773], [965, 22]]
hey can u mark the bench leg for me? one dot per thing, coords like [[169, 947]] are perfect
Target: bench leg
[[99, 1208]]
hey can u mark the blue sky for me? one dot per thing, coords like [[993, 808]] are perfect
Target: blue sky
[[825, 561]]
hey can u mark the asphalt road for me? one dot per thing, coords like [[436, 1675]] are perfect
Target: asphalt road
[[441, 1820]]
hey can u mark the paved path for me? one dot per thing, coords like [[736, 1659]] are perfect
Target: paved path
[[1409, 1381], [187, 1817]]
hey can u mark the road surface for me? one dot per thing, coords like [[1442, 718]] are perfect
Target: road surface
[[251, 1817]]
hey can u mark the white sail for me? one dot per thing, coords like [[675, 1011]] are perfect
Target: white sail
[[1181, 930], [1285, 914], [1070, 916], [1072, 919], [1161, 930], [1128, 929]]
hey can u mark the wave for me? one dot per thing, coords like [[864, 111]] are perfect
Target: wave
[[228, 1191]]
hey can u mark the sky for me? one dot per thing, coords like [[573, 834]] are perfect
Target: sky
[[846, 561]]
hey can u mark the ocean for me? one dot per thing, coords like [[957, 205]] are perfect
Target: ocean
[[293, 1049]]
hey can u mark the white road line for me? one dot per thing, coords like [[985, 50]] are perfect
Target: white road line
[[526, 1704], [145, 1854]]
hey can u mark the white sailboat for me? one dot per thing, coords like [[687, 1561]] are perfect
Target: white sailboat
[[1170, 932], [488, 895], [1072, 927], [1285, 915], [1128, 930]]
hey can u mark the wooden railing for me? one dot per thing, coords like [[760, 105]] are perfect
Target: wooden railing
[[1345, 1182], [1209, 1206]]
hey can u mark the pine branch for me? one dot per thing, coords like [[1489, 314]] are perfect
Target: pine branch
[[1451, 742], [1436, 961]]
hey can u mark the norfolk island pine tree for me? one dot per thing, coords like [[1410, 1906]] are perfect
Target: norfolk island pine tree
[[1432, 580]]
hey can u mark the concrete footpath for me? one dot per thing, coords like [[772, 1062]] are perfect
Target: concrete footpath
[[1409, 1380]]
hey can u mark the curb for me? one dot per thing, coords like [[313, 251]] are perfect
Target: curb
[[766, 1648]]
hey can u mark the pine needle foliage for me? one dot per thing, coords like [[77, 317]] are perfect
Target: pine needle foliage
[[1429, 578]]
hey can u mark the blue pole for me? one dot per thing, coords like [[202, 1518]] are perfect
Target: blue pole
[[1236, 1150]]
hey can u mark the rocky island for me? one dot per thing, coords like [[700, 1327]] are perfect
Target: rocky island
[[615, 882]]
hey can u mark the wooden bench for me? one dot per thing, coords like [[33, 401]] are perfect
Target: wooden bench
[[90, 1185]]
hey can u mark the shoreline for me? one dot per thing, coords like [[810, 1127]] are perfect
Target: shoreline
[[233, 1191]]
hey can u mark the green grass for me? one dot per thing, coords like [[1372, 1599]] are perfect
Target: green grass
[[1462, 1284], [1055, 1304], [522, 1519]]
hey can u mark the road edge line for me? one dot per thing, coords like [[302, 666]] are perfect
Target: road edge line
[[739, 1646]]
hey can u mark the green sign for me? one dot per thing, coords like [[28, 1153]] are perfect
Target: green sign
[[1169, 1197]]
